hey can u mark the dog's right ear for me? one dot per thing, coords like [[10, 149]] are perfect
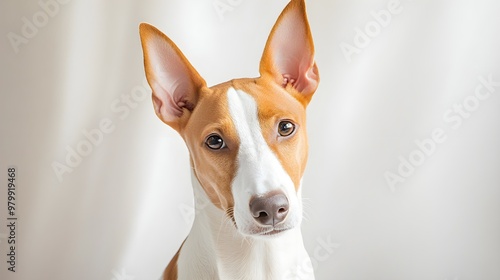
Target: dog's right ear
[[174, 81]]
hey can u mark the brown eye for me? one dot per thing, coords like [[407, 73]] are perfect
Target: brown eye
[[215, 142], [286, 128]]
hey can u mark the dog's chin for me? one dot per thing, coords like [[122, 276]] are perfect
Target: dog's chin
[[273, 233], [266, 233], [249, 228]]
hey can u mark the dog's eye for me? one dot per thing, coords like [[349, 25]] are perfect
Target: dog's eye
[[215, 142], [286, 128]]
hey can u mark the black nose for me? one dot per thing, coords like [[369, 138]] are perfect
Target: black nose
[[269, 209]]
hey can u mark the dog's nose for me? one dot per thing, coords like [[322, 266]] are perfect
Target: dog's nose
[[269, 209]]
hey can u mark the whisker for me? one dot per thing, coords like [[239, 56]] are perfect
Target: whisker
[[224, 221]]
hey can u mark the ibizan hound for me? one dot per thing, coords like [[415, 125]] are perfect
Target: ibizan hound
[[248, 150]]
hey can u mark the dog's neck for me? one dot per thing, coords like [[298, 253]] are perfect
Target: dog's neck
[[215, 249]]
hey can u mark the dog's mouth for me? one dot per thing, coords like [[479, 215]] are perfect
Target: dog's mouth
[[273, 232], [258, 231]]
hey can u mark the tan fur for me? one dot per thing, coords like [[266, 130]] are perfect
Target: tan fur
[[214, 169], [276, 104], [198, 83], [170, 272], [267, 68], [208, 113]]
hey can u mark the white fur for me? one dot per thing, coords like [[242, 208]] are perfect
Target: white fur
[[215, 249], [259, 170]]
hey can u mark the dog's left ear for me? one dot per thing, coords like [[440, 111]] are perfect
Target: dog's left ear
[[288, 57]]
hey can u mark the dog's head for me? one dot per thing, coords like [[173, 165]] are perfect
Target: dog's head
[[246, 137]]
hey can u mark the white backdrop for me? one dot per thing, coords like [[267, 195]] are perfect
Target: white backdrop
[[408, 85]]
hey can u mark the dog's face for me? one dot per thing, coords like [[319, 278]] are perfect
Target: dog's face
[[246, 137]]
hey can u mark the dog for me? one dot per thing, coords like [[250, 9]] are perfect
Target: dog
[[248, 150]]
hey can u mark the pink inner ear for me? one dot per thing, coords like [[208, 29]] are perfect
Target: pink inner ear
[[292, 52], [170, 80], [302, 75]]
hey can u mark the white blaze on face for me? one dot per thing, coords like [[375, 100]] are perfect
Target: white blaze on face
[[258, 169]]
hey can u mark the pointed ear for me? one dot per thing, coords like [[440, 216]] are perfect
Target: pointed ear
[[174, 81], [288, 57]]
